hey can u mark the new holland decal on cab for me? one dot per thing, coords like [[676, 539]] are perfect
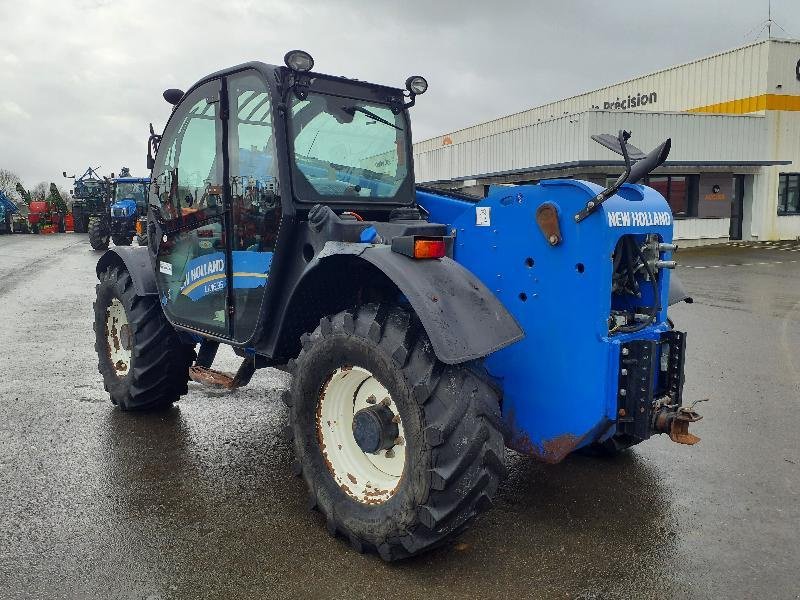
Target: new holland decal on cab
[[638, 218], [206, 274]]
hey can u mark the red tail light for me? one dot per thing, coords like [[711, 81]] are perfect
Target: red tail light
[[429, 248]]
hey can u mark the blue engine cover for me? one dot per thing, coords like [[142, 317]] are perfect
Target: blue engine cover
[[124, 208], [560, 383]]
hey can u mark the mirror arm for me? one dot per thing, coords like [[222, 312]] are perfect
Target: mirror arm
[[595, 202]]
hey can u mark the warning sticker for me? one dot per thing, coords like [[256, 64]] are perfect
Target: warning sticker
[[165, 267], [483, 217]]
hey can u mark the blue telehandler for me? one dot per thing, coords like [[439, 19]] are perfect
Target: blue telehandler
[[425, 330]]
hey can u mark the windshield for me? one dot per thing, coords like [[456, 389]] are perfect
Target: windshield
[[345, 147], [134, 191]]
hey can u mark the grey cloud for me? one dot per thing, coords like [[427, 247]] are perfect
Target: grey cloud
[[80, 80]]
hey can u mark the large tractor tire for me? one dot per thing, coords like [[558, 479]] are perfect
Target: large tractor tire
[[121, 240], [399, 451], [98, 235], [142, 360], [141, 240]]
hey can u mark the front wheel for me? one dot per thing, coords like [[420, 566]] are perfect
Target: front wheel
[[399, 451], [142, 360]]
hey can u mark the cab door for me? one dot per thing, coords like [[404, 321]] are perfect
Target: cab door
[[188, 195], [255, 198]]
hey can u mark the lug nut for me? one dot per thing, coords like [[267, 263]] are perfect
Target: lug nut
[[372, 400], [624, 372], [625, 352], [396, 419], [623, 392], [399, 440], [386, 401], [389, 453]]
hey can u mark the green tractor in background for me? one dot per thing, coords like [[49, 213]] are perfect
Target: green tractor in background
[[90, 205]]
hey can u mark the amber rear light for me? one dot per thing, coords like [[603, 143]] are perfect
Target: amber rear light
[[429, 248]]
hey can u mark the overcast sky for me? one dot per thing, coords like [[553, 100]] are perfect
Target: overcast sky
[[81, 79]]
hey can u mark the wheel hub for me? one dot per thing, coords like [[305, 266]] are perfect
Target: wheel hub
[[374, 429], [361, 435]]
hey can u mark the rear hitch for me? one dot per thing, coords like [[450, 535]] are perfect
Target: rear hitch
[[676, 422]]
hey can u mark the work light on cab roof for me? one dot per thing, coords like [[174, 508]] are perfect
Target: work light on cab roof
[[298, 60]]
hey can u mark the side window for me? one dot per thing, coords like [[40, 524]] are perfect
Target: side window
[[255, 196], [187, 178], [188, 190]]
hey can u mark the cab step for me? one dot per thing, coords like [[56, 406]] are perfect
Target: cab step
[[210, 377]]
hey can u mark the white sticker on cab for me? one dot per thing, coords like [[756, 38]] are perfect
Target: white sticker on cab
[[165, 267], [483, 217]]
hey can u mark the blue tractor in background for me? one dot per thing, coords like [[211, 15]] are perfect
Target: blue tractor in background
[[425, 330], [120, 216], [128, 210]]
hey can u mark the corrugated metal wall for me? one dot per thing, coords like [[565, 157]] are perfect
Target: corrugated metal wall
[[738, 74], [566, 139]]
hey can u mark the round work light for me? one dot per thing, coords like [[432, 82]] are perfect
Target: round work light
[[416, 84], [298, 60]]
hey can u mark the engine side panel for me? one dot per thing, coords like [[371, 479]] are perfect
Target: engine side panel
[[560, 382]]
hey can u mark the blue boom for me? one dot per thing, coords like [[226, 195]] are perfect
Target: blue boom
[[560, 383]]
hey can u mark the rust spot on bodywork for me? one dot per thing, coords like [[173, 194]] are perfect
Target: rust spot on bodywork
[[352, 478], [550, 451]]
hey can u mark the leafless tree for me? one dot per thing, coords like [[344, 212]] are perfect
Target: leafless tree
[[40, 190], [8, 184]]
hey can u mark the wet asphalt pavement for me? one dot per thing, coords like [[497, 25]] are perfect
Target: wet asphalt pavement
[[199, 502]]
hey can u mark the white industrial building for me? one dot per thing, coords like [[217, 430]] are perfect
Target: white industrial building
[[734, 120]]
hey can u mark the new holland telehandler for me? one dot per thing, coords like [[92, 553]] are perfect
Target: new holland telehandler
[[425, 331]]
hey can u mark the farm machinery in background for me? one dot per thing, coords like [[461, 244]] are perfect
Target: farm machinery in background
[[90, 198], [42, 214], [110, 208], [7, 211]]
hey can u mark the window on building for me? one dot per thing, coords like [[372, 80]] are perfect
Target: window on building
[[678, 190], [789, 194]]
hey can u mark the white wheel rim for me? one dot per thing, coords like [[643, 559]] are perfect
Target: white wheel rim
[[367, 478], [119, 337]]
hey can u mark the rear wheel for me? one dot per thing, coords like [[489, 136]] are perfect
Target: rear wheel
[[400, 452], [121, 240], [98, 235], [142, 360]]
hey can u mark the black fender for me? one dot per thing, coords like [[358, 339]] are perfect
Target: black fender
[[678, 293], [462, 317], [136, 261]]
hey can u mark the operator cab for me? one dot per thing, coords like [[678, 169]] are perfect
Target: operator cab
[[246, 153]]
